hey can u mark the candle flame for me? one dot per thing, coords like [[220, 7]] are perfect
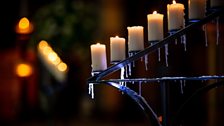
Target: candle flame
[[174, 2], [98, 43], [154, 12], [24, 26], [24, 23], [116, 36]]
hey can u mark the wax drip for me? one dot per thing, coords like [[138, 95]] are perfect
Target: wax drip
[[159, 56], [146, 62], [184, 41], [166, 54], [129, 69], [206, 39], [140, 88], [122, 76], [217, 30], [175, 41], [91, 90]]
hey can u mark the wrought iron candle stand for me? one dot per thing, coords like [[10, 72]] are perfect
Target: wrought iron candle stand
[[97, 78]]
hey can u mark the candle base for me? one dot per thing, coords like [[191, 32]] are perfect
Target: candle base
[[171, 32], [193, 20], [93, 73], [151, 43], [132, 53], [115, 62]]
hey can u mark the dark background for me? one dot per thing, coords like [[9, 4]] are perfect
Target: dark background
[[69, 103]]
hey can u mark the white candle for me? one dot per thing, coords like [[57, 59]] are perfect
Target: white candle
[[98, 56], [155, 26], [216, 3], [196, 9], [135, 38], [117, 49], [175, 13]]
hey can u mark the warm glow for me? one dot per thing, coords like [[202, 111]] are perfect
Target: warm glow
[[97, 43], [154, 12], [24, 26], [62, 67], [24, 23], [160, 119], [116, 36], [56, 61], [174, 2], [23, 70], [43, 44], [52, 56], [47, 50]]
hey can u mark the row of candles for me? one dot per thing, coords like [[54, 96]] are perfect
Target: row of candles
[[175, 15]]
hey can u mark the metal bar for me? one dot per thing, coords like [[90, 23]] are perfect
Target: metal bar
[[141, 102], [160, 79], [165, 104], [195, 95], [154, 47]]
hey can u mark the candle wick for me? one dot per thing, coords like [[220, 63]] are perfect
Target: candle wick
[[154, 12], [174, 2]]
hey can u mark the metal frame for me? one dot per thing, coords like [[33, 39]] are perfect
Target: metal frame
[[98, 78]]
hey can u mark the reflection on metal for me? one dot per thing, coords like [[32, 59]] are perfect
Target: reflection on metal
[[140, 101], [155, 47], [197, 93], [97, 78]]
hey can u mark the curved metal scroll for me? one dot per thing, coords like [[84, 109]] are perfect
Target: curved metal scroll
[[140, 101], [198, 92]]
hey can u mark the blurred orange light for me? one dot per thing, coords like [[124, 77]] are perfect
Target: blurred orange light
[[24, 23], [47, 50], [43, 44], [52, 56], [24, 26], [62, 67], [23, 70], [56, 61]]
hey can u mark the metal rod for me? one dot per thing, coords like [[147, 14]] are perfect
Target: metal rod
[[197, 78], [154, 47], [141, 102], [165, 106]]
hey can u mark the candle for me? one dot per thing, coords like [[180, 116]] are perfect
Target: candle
[[216, 3], [135, 38], [117, 49], [175, 13], [98, 55], [155, 26], [196, 9], [24, 26]]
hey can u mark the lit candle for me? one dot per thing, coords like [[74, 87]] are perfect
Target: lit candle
[[155, 26], [216, 3], [24, 26], [135, 38], [196, 9], [117, 49], [98, 55], [175, 13]]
